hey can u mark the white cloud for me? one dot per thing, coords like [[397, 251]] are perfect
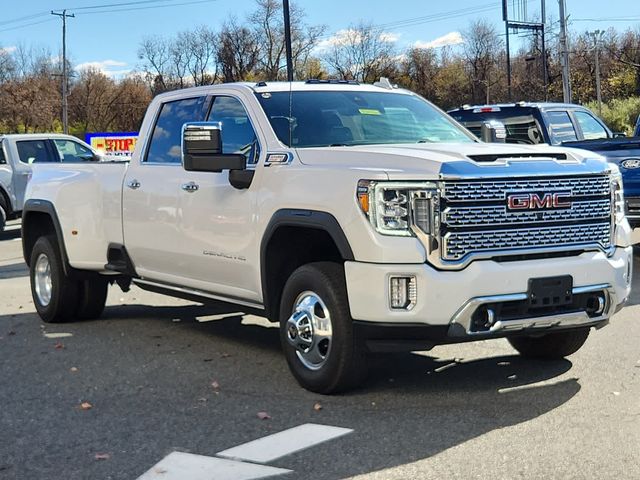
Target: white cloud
[[451, 38], [351, 36], [111, 68], [8, 50], [389, 37]]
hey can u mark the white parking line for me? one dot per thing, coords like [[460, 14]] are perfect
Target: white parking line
[[267, 449], [187, 466]]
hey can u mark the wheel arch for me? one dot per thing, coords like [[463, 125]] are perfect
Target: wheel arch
[[39, 218], [308, 236]]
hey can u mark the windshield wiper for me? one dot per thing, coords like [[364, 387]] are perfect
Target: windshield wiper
[[425, 140], [341, 145]]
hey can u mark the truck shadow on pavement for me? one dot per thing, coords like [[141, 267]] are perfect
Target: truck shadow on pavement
[[412, 406], [148, 371], [14, 270]]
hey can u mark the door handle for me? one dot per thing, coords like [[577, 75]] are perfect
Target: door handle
[[190, 187], [134, 184]]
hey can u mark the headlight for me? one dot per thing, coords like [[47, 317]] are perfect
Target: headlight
[[393, 208], [617, 192]]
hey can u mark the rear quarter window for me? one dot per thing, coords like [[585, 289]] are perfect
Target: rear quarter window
[[561, 127]]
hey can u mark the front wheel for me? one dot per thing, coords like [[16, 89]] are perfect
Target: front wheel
[[316, 330], [3, 214], [552, 346]]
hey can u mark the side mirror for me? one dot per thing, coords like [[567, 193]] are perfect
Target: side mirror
[[619, 135], [202, 149], [493, 131]]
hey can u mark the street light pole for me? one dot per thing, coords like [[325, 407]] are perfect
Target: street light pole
[[65, 116], [566, 75], [287, 39], [597, 39]]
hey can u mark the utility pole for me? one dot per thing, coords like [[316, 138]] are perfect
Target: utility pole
[[564, 53], [545, 71], [597, 41], [65, 115], [287, 40]]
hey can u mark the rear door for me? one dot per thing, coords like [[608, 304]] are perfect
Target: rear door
[[152, 215]]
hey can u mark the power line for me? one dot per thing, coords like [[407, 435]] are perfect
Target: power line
[[114, 10], [121, 4], [25, 18], [27, 25]]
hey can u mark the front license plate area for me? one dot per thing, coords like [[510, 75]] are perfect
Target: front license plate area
[[550, 291]]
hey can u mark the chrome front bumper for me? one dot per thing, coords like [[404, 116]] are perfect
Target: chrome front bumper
[[461, 324]]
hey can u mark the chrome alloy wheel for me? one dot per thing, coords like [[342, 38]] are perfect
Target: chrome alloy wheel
[[42, 279], [309, 330]]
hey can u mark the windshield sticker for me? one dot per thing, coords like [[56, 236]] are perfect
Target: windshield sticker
[[369, 111]]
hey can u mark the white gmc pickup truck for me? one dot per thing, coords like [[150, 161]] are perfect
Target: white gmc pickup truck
[[359, 217]]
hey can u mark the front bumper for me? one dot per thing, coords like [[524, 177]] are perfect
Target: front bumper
[[448, 298]]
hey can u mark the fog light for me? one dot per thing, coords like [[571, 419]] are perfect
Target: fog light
[[403, 293]]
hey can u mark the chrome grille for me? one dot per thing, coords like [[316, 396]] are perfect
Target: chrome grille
[[476, 222], [474, 191], [458, 244], [498, 215]]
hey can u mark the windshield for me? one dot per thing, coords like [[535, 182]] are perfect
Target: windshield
[[337, 118]]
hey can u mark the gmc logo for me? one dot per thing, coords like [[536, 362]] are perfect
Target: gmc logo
[[534, 201]]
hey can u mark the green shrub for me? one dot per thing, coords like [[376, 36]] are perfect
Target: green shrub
[[619, 114]]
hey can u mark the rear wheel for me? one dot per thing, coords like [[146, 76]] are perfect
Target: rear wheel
[[316, 330], [92, 298], [54, 294], [551, 346]]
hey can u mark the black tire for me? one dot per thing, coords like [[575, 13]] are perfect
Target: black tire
[[344, 365], [92, 298], [63, 303], [4, 211], [552, 346]]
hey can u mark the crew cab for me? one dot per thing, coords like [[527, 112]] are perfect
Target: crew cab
[[360, 218], [568, 125], [18, 152]]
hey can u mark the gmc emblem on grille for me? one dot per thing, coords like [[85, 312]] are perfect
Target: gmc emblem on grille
[[534, 201]]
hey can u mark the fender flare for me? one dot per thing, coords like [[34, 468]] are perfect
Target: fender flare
[[44, 206], [291, 217]]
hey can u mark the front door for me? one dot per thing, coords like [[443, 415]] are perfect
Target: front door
[[218, 235]]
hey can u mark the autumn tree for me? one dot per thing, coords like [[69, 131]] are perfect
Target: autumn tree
[[363, 53]]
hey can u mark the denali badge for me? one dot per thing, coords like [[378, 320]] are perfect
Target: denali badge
[[534, 201]]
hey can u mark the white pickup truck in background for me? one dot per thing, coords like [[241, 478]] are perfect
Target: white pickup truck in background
[[19, 151], [361, 218]]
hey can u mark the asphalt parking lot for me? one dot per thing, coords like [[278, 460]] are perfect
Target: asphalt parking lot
[[157, 379]]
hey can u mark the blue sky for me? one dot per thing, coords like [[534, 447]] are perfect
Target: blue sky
[[110, 39]]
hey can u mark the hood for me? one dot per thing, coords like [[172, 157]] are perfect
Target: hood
[[434, 161]]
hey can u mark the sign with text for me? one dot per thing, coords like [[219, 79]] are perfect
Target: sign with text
[[118, 144]]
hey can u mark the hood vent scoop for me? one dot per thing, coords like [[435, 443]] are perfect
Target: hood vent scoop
[[506, 156]]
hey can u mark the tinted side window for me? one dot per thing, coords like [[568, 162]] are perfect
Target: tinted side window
[[165, 142], [238, 135], [562, 129], [591, 128], [70, 151], [3, 160], [34, 151]]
